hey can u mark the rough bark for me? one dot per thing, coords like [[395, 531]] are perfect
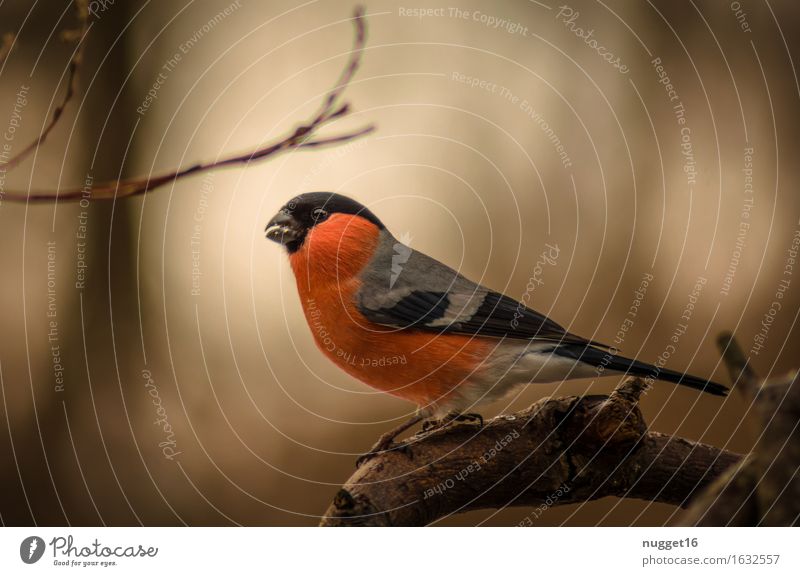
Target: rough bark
[[558, 451]]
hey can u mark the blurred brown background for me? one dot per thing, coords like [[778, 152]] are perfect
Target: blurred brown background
[[255, 426]]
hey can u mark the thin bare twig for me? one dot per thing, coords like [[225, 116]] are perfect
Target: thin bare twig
[[302, 137], [78, 36]]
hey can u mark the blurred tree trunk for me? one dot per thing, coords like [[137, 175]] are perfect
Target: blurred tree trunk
[[70, 474], [110, 313]]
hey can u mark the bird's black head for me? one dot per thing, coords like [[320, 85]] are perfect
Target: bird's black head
[[300, 214]]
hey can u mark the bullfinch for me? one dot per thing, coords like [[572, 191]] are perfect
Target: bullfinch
[[411, 326]]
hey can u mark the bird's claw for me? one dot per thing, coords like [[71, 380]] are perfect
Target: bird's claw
[[471, 418], [380, 448], [361, 460], [453, 418], [431, 425]]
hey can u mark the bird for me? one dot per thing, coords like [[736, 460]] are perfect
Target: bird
[[411, 326]]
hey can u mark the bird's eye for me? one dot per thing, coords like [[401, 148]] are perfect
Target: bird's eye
[[318, 215]]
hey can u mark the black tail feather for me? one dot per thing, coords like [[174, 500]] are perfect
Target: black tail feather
[[607, 361]]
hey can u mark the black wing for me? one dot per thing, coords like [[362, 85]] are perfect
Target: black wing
[[403, 288]]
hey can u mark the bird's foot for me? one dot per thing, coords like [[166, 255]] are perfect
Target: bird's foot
[[471, 418], [386, 442], [451, 419], [381, 447]]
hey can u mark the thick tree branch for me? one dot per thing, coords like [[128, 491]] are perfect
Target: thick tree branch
[[303, 137], [558, 451]]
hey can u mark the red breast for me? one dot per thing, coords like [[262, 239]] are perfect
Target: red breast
[[422, 367]]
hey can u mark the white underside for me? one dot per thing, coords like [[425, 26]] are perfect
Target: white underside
[[511, 366]]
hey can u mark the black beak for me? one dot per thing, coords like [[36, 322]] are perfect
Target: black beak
[[283, 228]]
